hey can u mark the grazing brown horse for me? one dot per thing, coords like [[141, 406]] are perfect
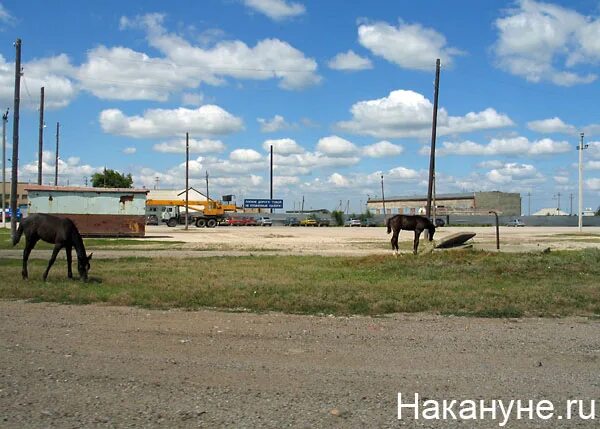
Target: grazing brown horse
[[61, 232], [411, 223]]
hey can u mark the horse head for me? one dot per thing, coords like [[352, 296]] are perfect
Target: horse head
[[431, 232], [83, 266]]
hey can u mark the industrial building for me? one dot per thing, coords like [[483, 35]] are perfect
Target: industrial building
[[468, 203], [116, 212]]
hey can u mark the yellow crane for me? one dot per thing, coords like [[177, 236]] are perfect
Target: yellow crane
[[203, 213]]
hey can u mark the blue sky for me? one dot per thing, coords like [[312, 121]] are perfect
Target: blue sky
[[342, 90]]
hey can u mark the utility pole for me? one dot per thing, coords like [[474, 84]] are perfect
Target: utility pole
[[433, 136], [558, 203], [41, 136], [15, 154], [4, 120], [156, 180], [528, 203], [207, 197], [382, 196], [187, 175], [580, 148], [302, 209], [271, 177], [571, 204], [56, 157]]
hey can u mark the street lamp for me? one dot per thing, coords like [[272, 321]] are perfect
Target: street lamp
[[4, 120], [580, 148]]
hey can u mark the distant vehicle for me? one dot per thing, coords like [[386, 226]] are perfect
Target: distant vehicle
[[309, 222], [439, 222], [322, 221], [250, 221], [291, 221], [264, 221], [236, 221], [352, 222], [515, 222], [8, 214], [368, 222], [151, 220]]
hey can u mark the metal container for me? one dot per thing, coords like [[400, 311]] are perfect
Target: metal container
[[107, 212]]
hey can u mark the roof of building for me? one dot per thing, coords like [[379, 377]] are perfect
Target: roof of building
[[84, 189], [551, 211]]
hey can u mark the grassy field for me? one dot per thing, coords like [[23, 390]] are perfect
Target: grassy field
[[459, 282]]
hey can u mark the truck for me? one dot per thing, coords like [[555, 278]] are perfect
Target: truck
[[200, 213]]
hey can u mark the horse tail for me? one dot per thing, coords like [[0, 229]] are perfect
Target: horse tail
[[17, 236], [389, 227]]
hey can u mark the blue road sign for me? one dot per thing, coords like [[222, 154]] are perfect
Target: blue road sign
[[263, 204]]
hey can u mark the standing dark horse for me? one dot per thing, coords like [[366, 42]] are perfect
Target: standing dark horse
[[411, 223], [61, 232]]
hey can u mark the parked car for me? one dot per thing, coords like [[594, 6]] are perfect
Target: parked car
[[439, 222], [264, 221], [291, 221], [515, 222], [152, 220], [323, 221], [352, 222], [236, 221], [8, 214], [309, 222], [368, 222], [250, 221]]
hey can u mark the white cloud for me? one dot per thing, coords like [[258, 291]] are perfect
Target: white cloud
[[245, 155], [195, 146], [405, 113], [336, 146], [382, 149], [410, 46], [338, 180], [129, 150], [5, 16], [190, 65], [283, 146], [277, 10], [70, 170], [53, 73], [191, 99], [544, 42], [551, 125], [593, 184], [518, 146], [514, 172], [206, 120], [277, 123], [561, 180], [403, 174], [349, 61]]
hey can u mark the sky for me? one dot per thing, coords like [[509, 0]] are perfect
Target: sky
[[342, 91]]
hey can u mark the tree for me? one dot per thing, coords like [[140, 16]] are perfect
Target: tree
[[111, 179]]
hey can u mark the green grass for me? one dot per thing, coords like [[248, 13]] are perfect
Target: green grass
[[470, 283], [104, 243]]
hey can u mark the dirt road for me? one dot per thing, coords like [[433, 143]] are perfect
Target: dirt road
[[94, 366]]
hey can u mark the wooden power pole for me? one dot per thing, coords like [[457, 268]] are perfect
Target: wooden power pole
[[433, 136], [41, 136], [15, 154]]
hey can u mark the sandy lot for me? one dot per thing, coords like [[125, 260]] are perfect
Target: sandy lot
[[92, 366], [365, 241]]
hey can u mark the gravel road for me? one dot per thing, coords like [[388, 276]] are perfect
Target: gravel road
[[95, 366]]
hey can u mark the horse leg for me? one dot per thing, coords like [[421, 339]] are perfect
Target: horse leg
[[395, 242], [68, 250], [29, 245], [57, 248], [416, 242]]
